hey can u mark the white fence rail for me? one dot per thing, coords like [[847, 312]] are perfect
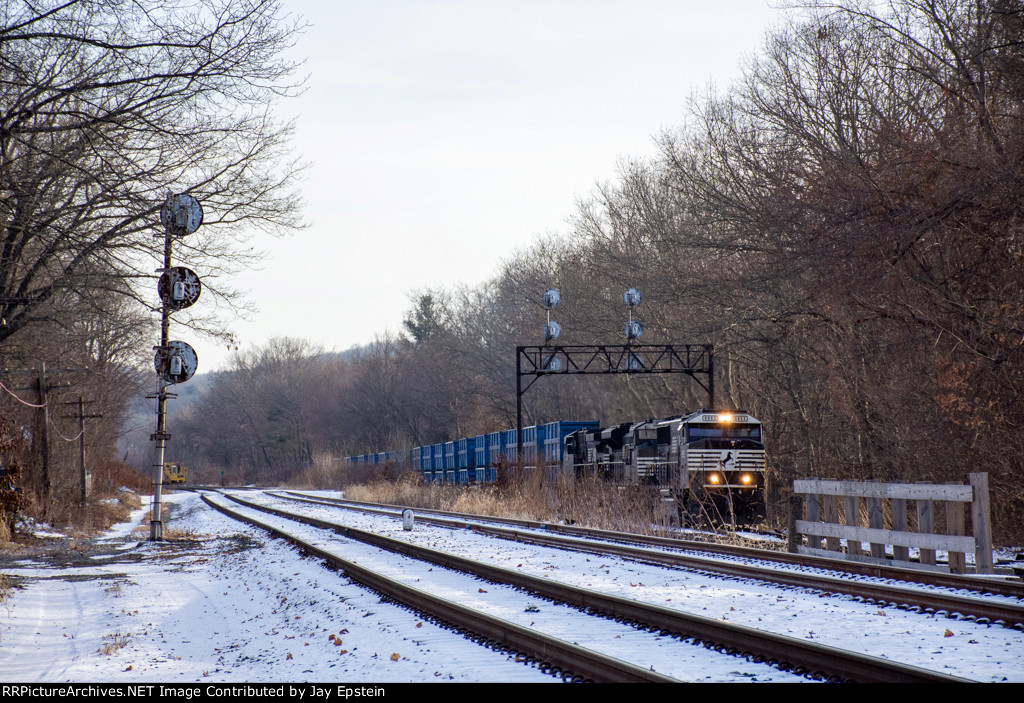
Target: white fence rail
[[874, 502]]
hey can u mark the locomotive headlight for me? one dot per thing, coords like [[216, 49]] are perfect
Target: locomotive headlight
[[725, 418], [746, 479], [714, 478]]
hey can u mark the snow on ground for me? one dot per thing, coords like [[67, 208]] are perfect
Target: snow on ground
[[956, 647], [663, 654], [229, 605], [224, 603]]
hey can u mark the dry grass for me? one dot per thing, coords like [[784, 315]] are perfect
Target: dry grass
[[110, 476], [114, 493], [103, 509], [113, 642], [409, 490], [322, 475], [585, 502], [588, 503]]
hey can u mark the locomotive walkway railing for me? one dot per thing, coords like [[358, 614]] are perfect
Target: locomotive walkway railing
[[874, 502]]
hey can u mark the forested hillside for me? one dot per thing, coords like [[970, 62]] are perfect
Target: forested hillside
[[844, 225]]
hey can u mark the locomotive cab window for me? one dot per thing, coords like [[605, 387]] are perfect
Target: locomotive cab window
[[695, 433]]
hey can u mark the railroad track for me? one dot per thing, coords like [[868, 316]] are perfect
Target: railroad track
[[550, 654], [1010, 587], [789, 653], [982, 610]]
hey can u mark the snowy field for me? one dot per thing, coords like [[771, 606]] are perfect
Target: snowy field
[[232, 606], [224, 603]]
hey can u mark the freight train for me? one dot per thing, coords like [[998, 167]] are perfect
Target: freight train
[[712, 462]]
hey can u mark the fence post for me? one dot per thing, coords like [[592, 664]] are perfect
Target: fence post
[[793, 540], [925, 525], [830, 504], [876, 520], [981, 521], [955, 526], [813, 513], [851, 507], [899, 524]]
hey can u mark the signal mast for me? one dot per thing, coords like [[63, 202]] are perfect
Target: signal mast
[[175, 361]]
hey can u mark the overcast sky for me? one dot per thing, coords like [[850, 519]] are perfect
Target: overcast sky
[[443, 135]]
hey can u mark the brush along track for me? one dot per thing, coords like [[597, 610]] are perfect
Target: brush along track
[[788, 653], [981, 610]]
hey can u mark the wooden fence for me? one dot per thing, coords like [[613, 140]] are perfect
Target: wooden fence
[[876, 501]]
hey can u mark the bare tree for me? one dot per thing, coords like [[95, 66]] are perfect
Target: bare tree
[[105, 105], [866, 172]]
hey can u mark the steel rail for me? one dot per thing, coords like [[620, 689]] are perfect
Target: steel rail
[[1000, 587], [981, 610], [786, 652], [550, 652]]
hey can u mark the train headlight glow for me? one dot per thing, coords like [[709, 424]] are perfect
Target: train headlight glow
[[746, 479], [725, 418], [713, 478]]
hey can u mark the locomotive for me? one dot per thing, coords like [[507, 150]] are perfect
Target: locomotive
[[712, 462]]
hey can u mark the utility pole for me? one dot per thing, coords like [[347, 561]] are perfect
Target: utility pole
[[41, 483], [83, 474], [44, 435], [44, 432]]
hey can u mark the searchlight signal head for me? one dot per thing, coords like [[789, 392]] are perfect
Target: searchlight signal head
[[634, 329], [552, 329], [179, 287]]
